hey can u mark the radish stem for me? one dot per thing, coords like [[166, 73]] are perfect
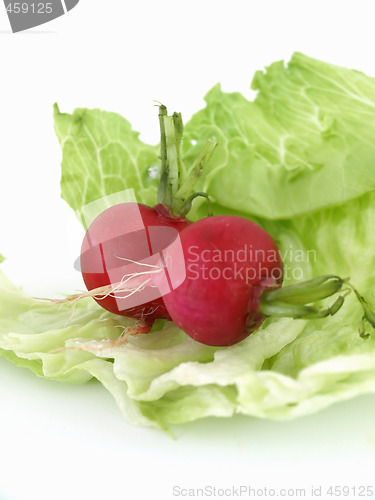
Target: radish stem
[[176, 188], [293, 300], [182, 195]]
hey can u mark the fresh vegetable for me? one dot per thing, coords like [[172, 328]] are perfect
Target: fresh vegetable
[[303, 172], [304, 144], [234, 274], [114, 258], [229, 262], [117, 254]]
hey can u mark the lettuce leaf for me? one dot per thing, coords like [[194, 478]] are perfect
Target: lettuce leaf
[[102, 155], [299, 161], [305, 143], [34, 334]]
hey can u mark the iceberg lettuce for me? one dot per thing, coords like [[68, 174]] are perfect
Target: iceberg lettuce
[[305, 143], [299, 160]]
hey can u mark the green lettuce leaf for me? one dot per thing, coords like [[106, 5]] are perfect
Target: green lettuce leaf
[[102, 155], [35, 334], [305, 143], [299, 161]]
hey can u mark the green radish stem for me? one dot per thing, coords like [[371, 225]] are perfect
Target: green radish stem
[[293, 300], [187, 206], [186, 190], [164, 190], [176, 187]]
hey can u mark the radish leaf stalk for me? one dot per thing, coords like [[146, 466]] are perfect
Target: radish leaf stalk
[[176, 188], [292, 301]]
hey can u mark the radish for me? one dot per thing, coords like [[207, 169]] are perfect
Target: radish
[[122, 260], [118, 236], [234, 274], [229, 262]]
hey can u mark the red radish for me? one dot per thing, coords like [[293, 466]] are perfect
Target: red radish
[[122, 235], [234, 274], [119, 235], [229, 262]]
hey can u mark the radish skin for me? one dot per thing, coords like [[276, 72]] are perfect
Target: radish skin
[[122, 231], [229, 262]]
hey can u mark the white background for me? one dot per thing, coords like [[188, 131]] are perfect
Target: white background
[[58, 441]]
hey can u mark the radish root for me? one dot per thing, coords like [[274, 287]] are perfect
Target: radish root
[[119, 290], [136, 329]]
